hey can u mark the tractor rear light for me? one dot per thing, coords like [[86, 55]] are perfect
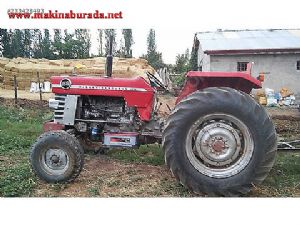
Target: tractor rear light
[[53, 104]]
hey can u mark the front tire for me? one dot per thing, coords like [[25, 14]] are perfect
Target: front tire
[[57, 157], [219, 141]]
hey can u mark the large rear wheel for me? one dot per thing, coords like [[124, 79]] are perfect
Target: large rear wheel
[[219, 141]]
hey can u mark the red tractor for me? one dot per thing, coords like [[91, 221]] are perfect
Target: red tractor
[[217, 140]]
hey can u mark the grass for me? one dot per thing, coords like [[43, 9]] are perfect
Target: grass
[[19, 128], [17, 181], [284, 178], [149, 154]]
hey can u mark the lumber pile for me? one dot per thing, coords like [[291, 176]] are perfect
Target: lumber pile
[[26, 69]]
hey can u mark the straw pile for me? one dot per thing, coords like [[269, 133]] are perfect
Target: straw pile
[[26, 69]]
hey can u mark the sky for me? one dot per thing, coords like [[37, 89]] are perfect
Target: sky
[[181, 40]]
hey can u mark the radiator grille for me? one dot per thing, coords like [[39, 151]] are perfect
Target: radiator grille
[[59, 112]]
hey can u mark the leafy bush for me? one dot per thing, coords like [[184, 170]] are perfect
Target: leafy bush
[[179, 80]]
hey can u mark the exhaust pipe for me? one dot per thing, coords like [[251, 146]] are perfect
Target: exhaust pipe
[[109, 59]]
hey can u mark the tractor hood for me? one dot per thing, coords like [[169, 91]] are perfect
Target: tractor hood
[[136, 91], [92, 85]]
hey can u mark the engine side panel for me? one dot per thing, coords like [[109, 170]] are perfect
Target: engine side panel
[[136, 91], [196, 80]]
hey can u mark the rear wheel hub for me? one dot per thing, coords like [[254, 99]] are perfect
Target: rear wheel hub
[[219, 145]]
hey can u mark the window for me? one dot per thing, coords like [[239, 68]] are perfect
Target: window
[[298, 65], [242, 66]]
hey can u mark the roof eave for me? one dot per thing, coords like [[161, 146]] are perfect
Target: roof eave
[[253, 51]]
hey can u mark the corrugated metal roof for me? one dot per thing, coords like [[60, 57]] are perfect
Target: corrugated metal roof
[[249, 39]]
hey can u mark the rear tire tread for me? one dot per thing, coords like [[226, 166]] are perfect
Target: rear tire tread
[[208, 96]]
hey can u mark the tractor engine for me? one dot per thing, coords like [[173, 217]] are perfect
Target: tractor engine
[[108, 109], [105, 119]]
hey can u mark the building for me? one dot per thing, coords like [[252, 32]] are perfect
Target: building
[[275, 52]]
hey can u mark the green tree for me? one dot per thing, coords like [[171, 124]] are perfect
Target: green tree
[[46, 46], [182, 62], [100, 40], [151, 41], [121, 52], [193, 64], [68, 47], [5, 42], [187, 54], [27, 43], [108, 33], [17, 43], [82, 43], [128, 39], [153, 56], [57, 44], [37, 44]]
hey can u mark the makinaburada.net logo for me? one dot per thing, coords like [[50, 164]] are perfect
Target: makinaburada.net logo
[[41, 14]]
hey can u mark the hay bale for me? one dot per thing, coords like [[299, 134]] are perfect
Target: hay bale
[[2, 70], [7, 74], [26, 69], [3, 62], [55, 63], [11, 66], [8, 87]]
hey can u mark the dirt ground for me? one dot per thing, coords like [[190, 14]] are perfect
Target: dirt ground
[[24, 103], [105, 177], [4, 93], [287, 123]]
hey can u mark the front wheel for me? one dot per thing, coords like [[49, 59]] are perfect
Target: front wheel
[[57, 157], [219, 141]]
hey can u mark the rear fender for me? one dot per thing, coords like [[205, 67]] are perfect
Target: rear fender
[[196, 80]]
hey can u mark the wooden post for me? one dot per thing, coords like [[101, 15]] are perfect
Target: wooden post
[[40, 90], [16, 90]]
